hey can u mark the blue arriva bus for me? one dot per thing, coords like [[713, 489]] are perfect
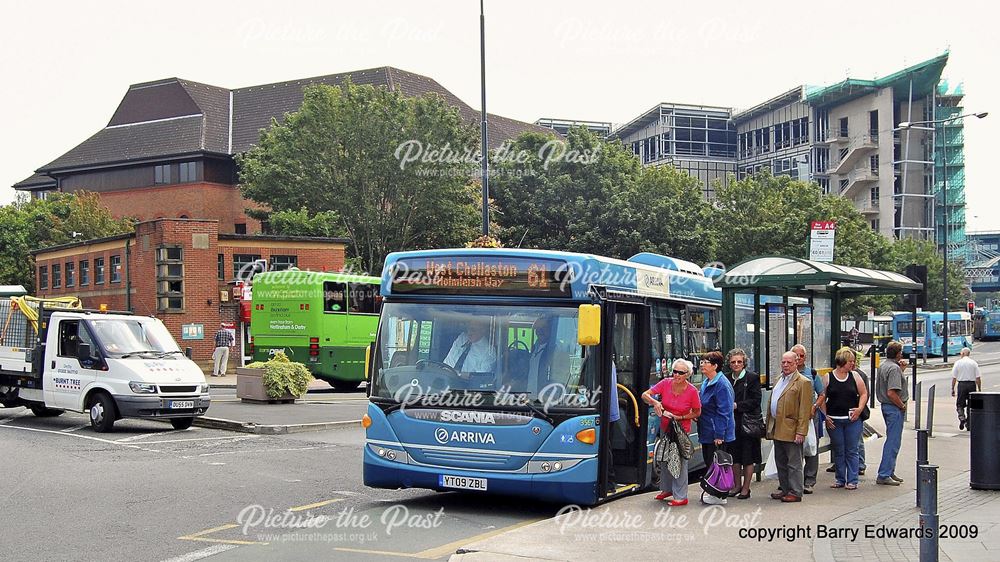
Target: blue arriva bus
[[959, 332], [987, 325], [524, 413]]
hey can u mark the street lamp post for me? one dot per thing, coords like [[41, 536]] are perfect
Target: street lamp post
[[944, 219]]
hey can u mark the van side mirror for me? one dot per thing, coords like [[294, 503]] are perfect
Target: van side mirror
[[588, 325], [83, 351]]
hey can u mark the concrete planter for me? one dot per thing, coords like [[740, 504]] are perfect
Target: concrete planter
[[250, 387]]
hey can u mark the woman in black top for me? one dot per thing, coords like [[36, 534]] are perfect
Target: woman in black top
[[842, 401], [746, 449]]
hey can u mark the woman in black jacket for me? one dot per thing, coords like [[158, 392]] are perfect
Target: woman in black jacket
[[746, 449]]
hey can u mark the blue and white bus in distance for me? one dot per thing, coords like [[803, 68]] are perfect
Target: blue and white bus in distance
[[959, 332], [525, 412], [987, 325]]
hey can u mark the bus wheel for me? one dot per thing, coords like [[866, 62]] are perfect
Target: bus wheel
[[346, 386], [43, 412], [181, 423], [102, 412]]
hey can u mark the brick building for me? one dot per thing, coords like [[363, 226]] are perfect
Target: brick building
[[183, 271], [169, 148]]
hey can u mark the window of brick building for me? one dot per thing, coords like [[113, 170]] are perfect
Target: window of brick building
[[188, 172], [240, 228], [70, 274], [222, 266], [84, 273], [170, 278], [56, 276], [98, 271], [43, 277], [116, 269], [161, 174], [281, 263], [244, 263]]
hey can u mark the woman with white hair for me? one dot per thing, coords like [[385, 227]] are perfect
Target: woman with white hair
[[678, 400]]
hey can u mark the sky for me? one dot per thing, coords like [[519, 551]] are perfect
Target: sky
[[66, 66]]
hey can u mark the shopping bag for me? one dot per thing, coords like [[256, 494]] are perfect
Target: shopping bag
[[771, 468], [809, 446]]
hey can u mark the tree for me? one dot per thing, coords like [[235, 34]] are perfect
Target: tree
[[27, 225], [302, 223], [907, 251], [395, 170], [584, 194]]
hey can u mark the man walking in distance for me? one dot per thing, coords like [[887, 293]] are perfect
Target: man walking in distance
[[893, 392], [811, 468], [966, 374], [787, 426], [220, 357]]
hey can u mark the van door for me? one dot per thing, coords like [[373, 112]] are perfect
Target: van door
[[67, 376]]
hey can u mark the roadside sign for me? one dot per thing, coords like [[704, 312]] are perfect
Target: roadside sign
[[821, 240]]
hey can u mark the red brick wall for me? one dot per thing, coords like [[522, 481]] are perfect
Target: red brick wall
[[201, 286], [202, 200]]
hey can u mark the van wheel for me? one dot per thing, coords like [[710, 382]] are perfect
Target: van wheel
[[102, 412], [181, 423], [43, 412], [346, 386]]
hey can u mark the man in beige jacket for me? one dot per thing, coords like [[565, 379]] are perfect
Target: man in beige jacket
[[787, 426]]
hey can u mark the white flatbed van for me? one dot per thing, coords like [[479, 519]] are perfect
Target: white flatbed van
[[111, 365]]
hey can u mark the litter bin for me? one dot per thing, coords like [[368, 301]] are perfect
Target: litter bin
[[984, 449]]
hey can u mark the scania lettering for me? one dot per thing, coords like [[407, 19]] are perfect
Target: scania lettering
[[492, 368], [56, 357]]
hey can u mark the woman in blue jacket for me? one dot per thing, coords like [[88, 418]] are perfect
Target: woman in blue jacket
[[716, 425]]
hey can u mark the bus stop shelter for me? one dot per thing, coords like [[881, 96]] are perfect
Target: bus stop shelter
[[771, 303]]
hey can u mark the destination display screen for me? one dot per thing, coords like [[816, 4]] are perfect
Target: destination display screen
[[479, 275]]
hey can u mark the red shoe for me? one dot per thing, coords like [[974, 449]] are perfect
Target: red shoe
[[676, 503], [663, 495], [791, 498]]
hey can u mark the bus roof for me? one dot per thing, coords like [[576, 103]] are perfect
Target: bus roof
[[934, 315], [511, 272]]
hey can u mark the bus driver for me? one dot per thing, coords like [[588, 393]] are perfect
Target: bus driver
[[471, 352]]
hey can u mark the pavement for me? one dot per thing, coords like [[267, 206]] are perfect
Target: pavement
[[319, 409], [640, 527]]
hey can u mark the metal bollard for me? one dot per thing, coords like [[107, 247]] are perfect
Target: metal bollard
[[916, 401], [928, 513], [921, 456], [930, 410]]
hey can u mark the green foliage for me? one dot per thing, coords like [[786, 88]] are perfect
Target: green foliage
[[282, 376], [340, 152], [303, 223], [588, 195], [27, 225], [904, 252]]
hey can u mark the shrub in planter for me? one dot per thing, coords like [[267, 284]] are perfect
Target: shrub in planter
[[283, 377]]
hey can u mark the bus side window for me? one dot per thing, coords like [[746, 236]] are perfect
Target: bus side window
[[363, 298], [334, 297]]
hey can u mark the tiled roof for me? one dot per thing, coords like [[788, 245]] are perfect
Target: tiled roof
[[35, 181], [173, 117]]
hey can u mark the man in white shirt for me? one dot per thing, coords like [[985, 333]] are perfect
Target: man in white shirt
[[471, 352], [966, 374]]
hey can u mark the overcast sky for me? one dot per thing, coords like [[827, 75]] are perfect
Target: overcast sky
[[66, 68]]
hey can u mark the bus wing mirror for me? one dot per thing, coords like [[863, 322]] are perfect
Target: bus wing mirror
[[588, 325]]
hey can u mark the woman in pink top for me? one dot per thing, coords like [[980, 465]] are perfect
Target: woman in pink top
[[678, 399]]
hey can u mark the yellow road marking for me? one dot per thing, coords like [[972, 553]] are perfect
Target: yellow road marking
[[450, 548], [312, 505], [445, 549], [200, 536], [377, 552]]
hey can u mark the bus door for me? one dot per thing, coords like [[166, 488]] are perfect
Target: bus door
[[623, 466]]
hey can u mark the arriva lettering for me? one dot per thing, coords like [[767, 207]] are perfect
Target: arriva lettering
[[466, 437], [467, 417]]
